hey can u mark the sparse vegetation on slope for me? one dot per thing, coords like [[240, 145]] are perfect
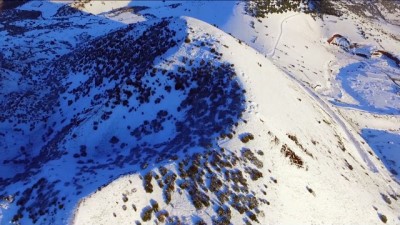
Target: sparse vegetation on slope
[[261, 8], [117, 72]]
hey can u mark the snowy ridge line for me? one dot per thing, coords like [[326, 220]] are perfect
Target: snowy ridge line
[[138, 166]]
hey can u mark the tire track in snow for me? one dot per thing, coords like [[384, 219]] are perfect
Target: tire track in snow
[[272, 53]]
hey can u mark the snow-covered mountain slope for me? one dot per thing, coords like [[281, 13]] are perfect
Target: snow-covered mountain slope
[[300, 155], [293, 39], [135, 114], [362, 85]]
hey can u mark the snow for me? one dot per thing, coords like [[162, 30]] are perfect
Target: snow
[[371, 87], [366, 87], [335, 110], [386, 145], [47, 8], [280, 114]]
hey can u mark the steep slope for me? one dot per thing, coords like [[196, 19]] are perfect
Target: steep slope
[[137, 114], [357, 83], [287, 161], [155, 119], [352, 82]]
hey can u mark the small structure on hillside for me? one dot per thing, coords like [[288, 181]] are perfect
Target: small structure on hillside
[[340, 41], [380, 53]]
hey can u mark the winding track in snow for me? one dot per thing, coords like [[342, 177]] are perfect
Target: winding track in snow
[[272, 53], [324, 106]]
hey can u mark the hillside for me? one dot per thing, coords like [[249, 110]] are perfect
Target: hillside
[[148, 112]]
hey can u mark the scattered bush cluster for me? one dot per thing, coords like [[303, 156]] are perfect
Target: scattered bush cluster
[[36, 208], [261, 8], [254, 173], [148, 187], [246, 137], [224, 215], [116, 69], [169, 187], [146, 213], [296, 141], [295, 159], [211, 173], [162, 215], [249, 155]]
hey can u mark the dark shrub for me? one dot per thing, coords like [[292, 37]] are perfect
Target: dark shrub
[[382, 217], [114, 140], [248, 154], [246, 137], [162, 215], [147, 182], [254, 174], [146, 213], [154, 205], [215, 183], [295, 159]]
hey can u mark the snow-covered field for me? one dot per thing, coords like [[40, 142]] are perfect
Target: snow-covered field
[[152, 112]]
